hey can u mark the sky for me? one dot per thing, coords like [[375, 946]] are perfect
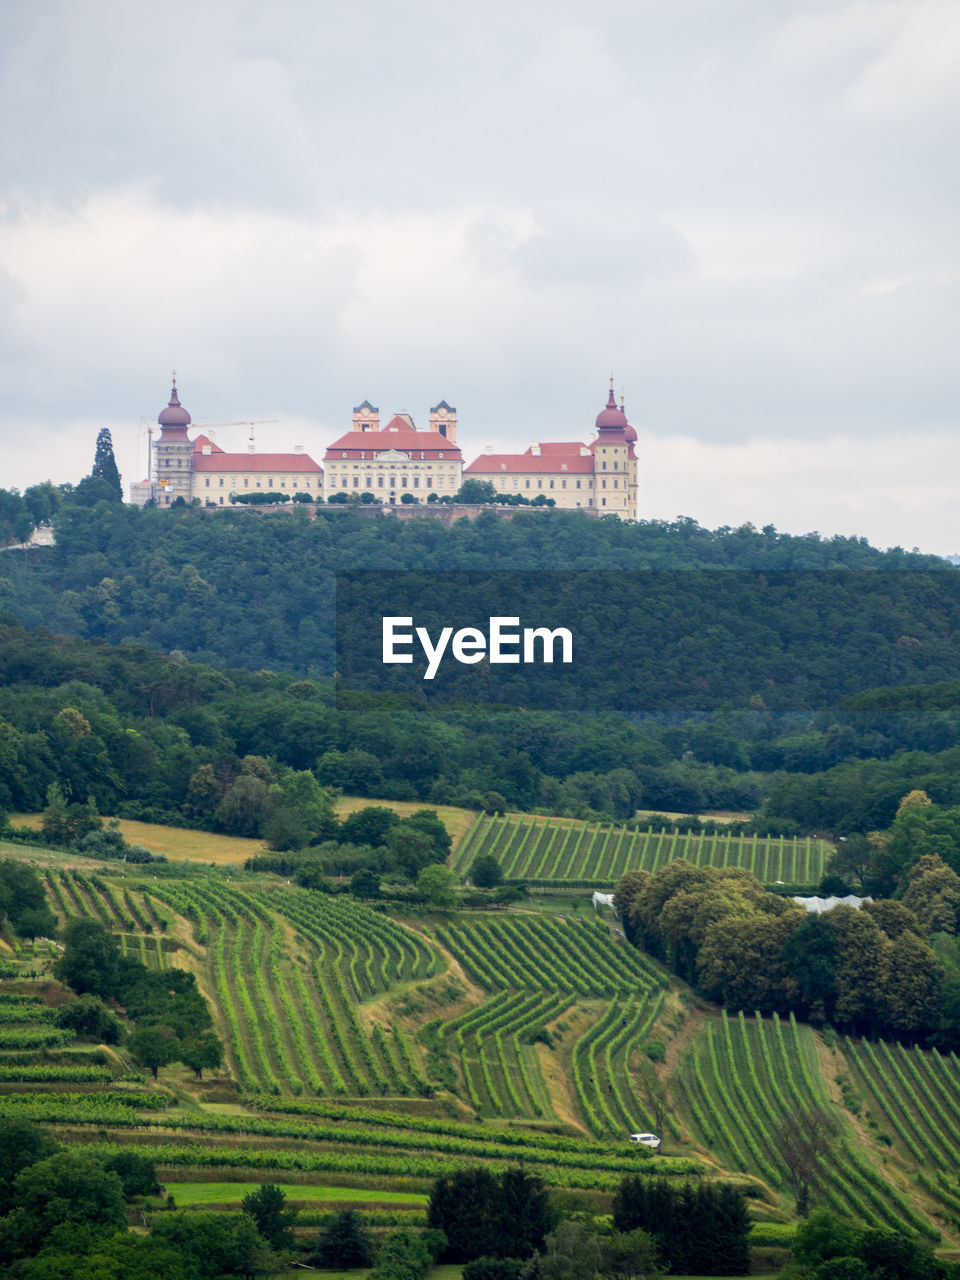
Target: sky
[[746, 211]]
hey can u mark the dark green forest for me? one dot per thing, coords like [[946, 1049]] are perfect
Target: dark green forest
[[841, 698]]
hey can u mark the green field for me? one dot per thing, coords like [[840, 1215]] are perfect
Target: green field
[[557, 851], [205, 1193]]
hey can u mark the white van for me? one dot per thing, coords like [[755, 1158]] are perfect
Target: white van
[[646, 1140]]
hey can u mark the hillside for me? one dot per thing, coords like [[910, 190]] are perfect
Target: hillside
[[376, 1052]]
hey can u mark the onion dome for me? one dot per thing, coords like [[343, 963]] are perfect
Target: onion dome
[[174, 419], [612, 418]]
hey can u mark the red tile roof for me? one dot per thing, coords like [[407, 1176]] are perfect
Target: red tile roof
[[256, 462], [420, 444], [558, 459], [201, 441]]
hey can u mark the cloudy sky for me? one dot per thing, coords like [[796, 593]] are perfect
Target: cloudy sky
[[746, 210]]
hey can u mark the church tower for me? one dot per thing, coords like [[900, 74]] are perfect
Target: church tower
[[615, 462], [174, 454]]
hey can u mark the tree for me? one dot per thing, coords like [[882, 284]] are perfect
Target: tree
[[404, 1255], [154, 1047], [481, 1215], [412, 849], [245, 806], [88, 1016], [105, 464], [344, 1244], [806, 1141], [22, 1143], [200, 1052], [824, 1235], [486, 872], [368, 825], [571, 1253], [70, 1187], [365, 883], [629, 1255], [267, 1206], [90, 959], [653, 1094], [476, 491], [435, 885], [138, 1174]]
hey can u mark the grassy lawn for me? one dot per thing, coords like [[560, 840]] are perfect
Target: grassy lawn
[[194, 1193]]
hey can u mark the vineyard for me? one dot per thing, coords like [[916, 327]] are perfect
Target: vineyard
[[370, 1052], [290, 971], [537, 968], [916, 1094], [742, 1077], [563, 852]]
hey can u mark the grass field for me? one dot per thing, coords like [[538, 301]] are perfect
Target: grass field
[[180, 844], [196, 1193], [176, 843]]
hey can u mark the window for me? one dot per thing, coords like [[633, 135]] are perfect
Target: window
[[403, 482], [603, 466], [356, 482], [563, 484], [306, 484], [369, 482], [221, 482], [551, 484], [603, 483], [416, 482], [578, 484], [379, 482], [429, 482], [528, 484], [603, 502], [616, 465], [207, 482], [246, 482], [539, 484], [283, 484]]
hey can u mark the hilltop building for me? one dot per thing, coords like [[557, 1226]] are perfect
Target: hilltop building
[[601, 475], [396, 459], [200, 469]]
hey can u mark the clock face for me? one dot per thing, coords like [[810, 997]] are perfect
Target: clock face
[[443, 413], [365, 413]]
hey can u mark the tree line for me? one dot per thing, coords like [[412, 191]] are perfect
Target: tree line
[[891, 967]]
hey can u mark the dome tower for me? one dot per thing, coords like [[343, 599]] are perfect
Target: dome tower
[[615, 461], [174, 453]]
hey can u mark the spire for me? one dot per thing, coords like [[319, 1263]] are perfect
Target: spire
[[174, 417]]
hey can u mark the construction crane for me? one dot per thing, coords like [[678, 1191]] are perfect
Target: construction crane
[[256, 422], [200, 426]]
